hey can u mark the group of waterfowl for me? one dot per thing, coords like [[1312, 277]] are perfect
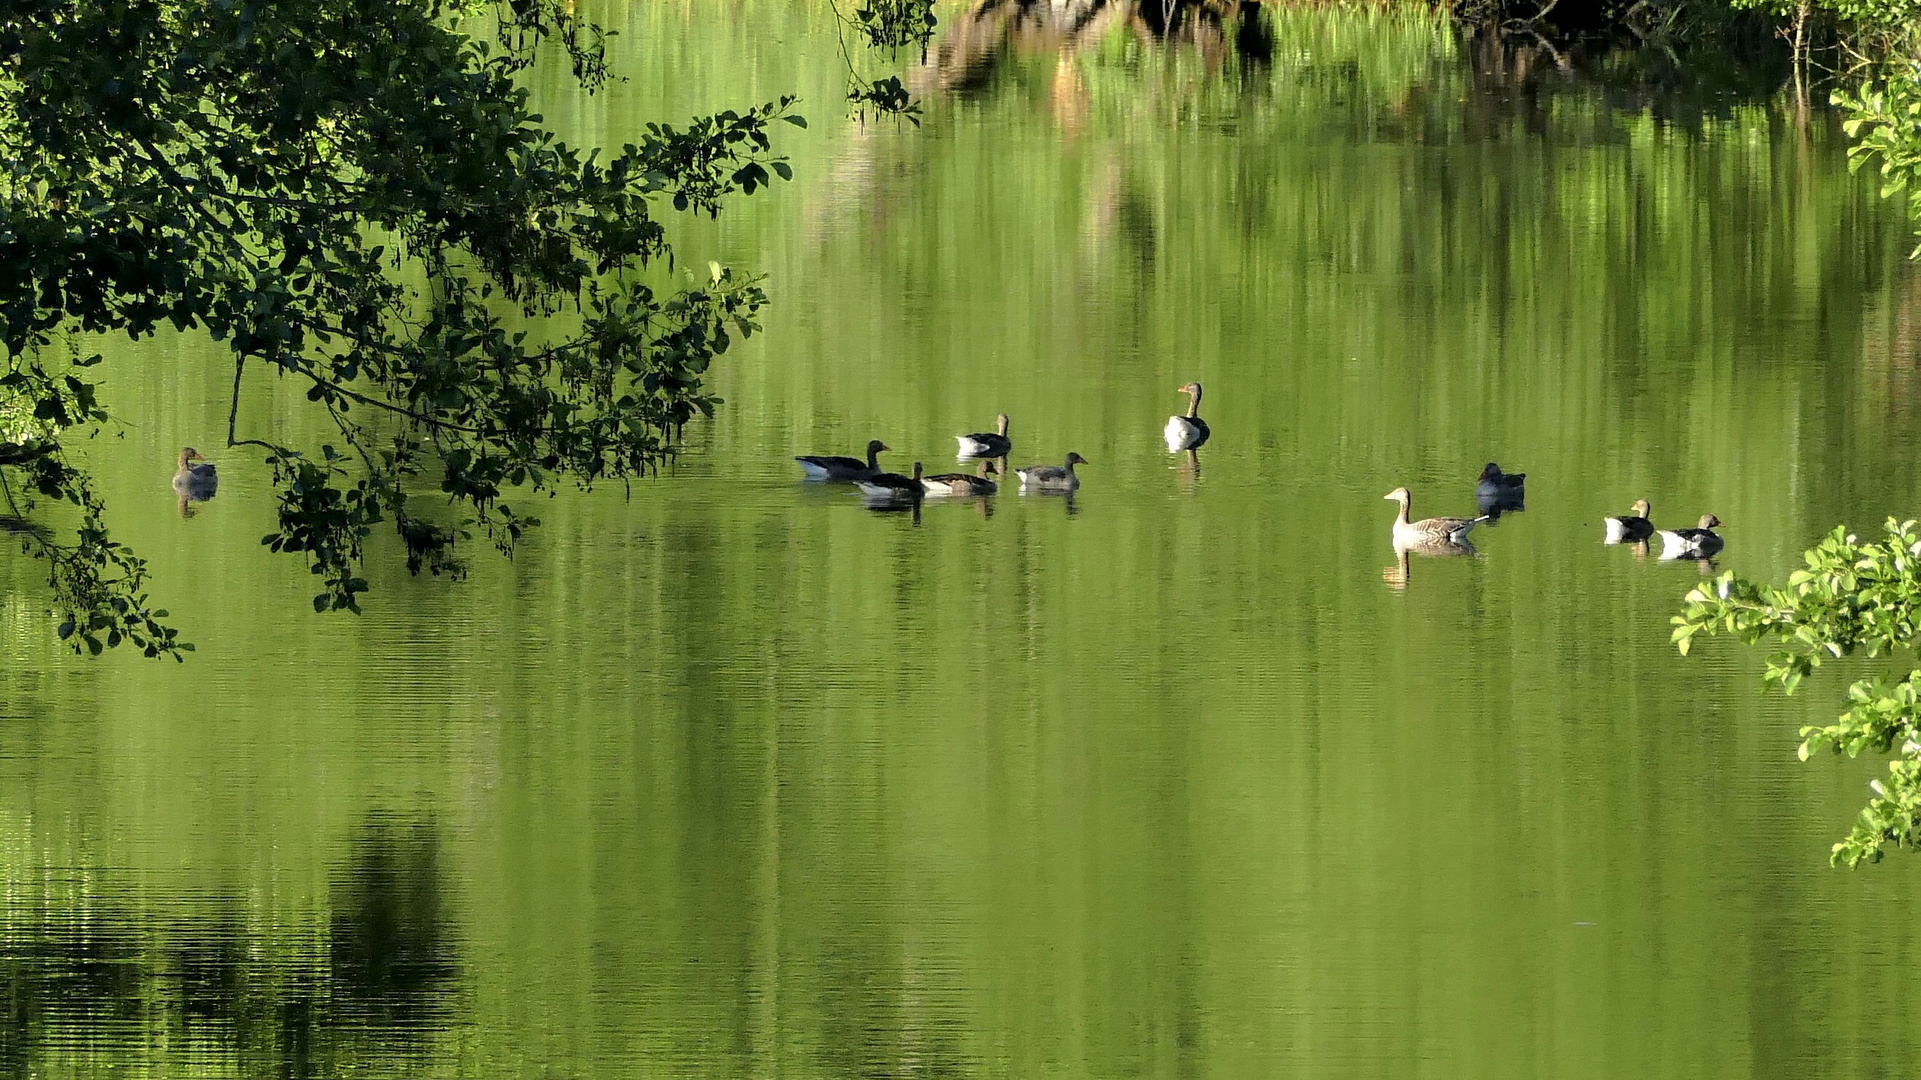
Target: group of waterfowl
[[1498, 491], [1183, 433]]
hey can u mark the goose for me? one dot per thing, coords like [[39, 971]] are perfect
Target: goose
[[1697, 542], [1496, 484], [987, 444], [893, 487], [1053, 477], [1630, 527], [1428, 531], [961, 483], [195, 481], [844, 469], [1190, 431]]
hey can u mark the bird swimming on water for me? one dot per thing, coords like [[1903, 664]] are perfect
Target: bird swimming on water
[[987, 444], [1631, 527], [1053, 477], [1695, 543], [1495, 484], [1187, 432], [1428, 531], [961, 483], [893, 487], [843, 469]]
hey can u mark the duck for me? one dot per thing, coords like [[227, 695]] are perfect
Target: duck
[[1698, 542], [1630, 527], [961, 483], [987, 444], [844, 469], [893, 487], [196, 478], [1428, 532], [1190, 431], [1496, 484], [1053, 477]]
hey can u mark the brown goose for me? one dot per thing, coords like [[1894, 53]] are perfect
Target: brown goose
[[1631, 527], [1441, 530], [195, 481], [844, 469], [961, 483]]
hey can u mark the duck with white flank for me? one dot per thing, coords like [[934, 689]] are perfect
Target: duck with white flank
[[987, 444], [893, 487], [1696, 543], [961, 483], [844, 469], [1052, 477], [1190, 431], [1427, 531], [1631, 527]]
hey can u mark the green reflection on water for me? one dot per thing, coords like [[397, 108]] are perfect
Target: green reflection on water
[[735, 778]]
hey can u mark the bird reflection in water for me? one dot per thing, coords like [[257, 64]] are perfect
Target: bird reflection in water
[[1398, 575], [881, 504], [1494, 504], [1190, 469]]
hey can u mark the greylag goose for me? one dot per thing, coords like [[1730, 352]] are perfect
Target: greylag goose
[[1496, 484], [1631, 527], [1190, 431], [1053, 477], [987, 444], [961, 483], [844, 469], [1698, 542], [1428, 531], [893, 487], [196, 478]]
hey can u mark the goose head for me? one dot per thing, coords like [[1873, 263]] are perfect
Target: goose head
[[1398, 495], [1491, 472], [189, 454], [875, 446], [1709, 521], [1000, 423], [1074, 459], [1192, 389], [1641, 508]]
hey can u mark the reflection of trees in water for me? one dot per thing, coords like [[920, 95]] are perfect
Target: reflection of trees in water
[[988, 30], [84, 975], [389, 945]]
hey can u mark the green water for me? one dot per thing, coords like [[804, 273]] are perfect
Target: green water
[[1179, 778]]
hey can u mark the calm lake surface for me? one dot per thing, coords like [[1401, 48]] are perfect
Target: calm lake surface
[[737, 778]]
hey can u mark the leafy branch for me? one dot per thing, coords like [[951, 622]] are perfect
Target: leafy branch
[[277, 177], [1852, 596]]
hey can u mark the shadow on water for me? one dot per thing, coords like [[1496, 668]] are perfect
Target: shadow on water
[[204, 982]]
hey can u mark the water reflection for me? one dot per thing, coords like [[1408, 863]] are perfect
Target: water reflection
[[1493, 505], [979, 38], [192, 982], [1399, 575]]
